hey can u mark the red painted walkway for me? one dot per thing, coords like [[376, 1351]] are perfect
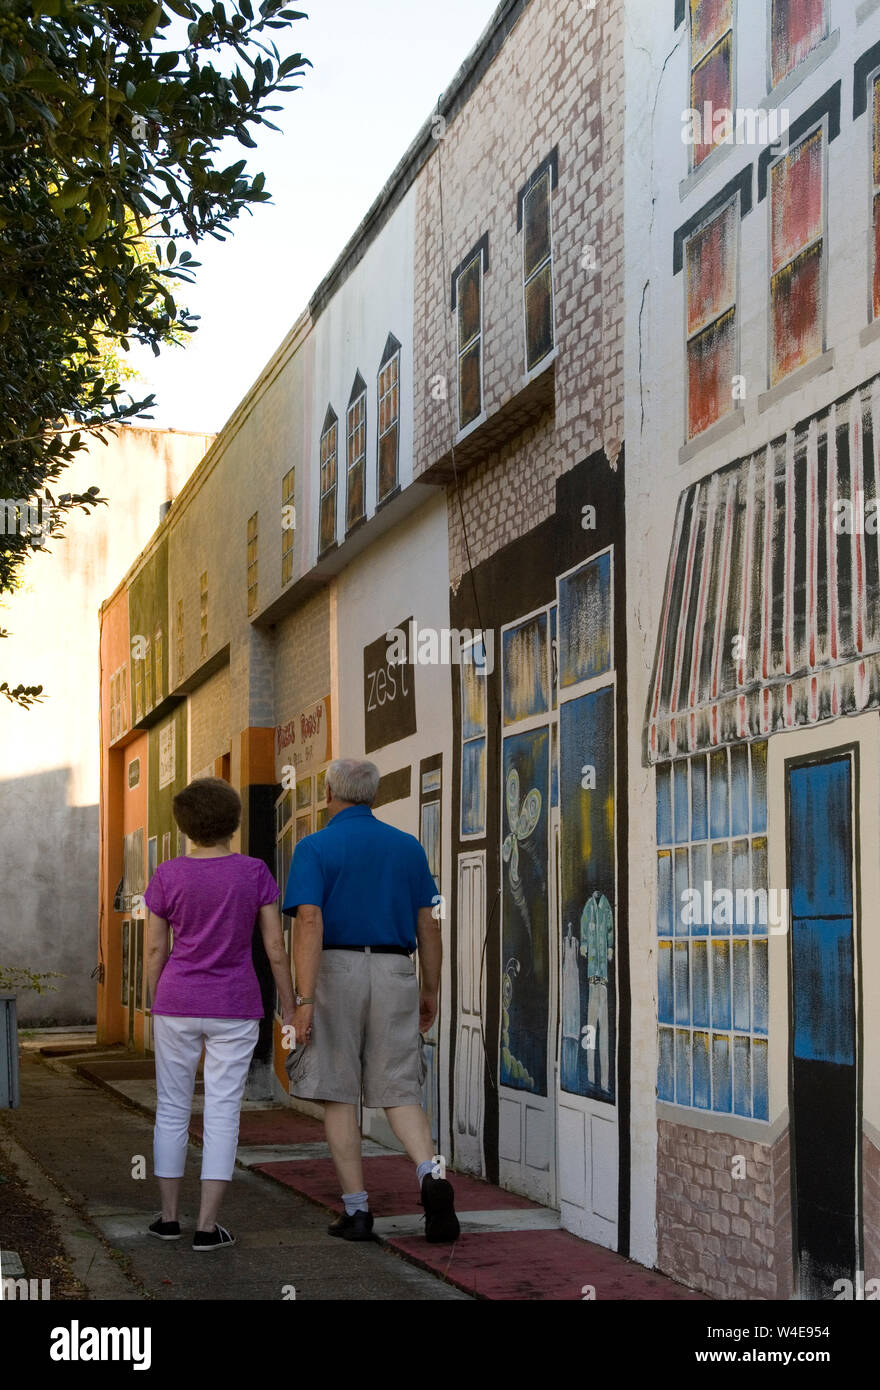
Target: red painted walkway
[[529, 1265]]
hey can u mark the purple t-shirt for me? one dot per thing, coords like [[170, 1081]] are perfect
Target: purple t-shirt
[[212, 905]]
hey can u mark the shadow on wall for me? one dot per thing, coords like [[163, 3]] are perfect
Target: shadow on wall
[[49, 913]]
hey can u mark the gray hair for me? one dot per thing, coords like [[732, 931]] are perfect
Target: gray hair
[[351, 779]]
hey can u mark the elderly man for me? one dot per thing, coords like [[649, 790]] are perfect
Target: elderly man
[[362, 895]]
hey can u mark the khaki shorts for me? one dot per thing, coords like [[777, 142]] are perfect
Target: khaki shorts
[[365, 1033]]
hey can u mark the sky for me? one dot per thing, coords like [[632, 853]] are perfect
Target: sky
[[378, 68]]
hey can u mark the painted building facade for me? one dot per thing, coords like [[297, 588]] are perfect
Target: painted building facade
[[49, 793], [753, 389]]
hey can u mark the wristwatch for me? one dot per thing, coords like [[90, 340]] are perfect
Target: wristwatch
[[300, 1000]]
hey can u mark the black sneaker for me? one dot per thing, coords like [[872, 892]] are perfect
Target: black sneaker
[[356, 1227], [441, 1222], [165, 1230], [213, 1240]]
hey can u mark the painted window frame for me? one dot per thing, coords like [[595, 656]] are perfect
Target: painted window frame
[[728, 34], [544, 173], [203, 615], [731, 205], [356, 451], [773, 81], [158, 663], [138, 689], [253, 573], [328, 463], [756, 839], [288, 486], [482, 736], [388, 388], [477, 256], [819, 128], [180, 642], [149, 700]]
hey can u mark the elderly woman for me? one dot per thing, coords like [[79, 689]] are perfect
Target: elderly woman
[[206, 994]]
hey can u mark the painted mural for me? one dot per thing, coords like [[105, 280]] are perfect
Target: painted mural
[[525, 911]]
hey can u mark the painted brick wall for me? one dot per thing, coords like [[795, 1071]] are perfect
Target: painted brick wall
[[729, 1237], [557, 81], [302, 659], [209, 730]]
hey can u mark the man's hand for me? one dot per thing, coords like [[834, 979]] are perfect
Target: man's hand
[[301, 1019], [427, 1009]]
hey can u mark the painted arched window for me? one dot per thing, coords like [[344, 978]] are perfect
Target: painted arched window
[[389, 418], [356, 452], [328, 481]]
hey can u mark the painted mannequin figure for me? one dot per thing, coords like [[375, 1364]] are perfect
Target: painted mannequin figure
[[571, 1011], [597, 945]]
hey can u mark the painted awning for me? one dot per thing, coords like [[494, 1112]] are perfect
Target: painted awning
[[771, 612]]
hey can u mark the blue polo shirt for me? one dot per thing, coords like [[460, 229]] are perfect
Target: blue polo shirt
[[368, 878]]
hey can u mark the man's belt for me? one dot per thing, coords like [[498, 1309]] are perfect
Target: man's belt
[[372, 950]]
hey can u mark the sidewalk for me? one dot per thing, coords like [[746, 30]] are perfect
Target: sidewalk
[[510, 1248]]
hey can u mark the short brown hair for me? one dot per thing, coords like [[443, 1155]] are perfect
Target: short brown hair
[[208, 811]]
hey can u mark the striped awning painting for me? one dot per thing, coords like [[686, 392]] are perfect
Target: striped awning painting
[[771, 612]]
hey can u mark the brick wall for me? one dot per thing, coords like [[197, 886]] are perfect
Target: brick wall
[[302, 659], [727, 1236], [557, 81], [209, 730]]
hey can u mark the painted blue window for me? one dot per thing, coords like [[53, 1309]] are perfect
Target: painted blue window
[[699, 812], [473, 787], [742, 1077], [664, 887], [682, 983], [664, 806], [719, 796], [760, 987], [700, 984], [702, 915], [741, 987], [739, 790], [822, 967], [665, 1077], [702, 1079], [664, 984], [760, 1089], [712, 888], [721, 1091], [585, 622], [682, 1066], [720, 984], [526, 678], [680, 788]]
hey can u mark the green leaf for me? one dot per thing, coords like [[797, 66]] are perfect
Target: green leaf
[[152, 23]]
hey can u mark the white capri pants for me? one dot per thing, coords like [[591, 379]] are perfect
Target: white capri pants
[[229, 1045]]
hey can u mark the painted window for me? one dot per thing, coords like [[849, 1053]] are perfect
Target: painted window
[[469, 300], [714, 911], [252, 563], [166, 845], [138, 690], [159, 663], [537, 270], [711, 70], [587, 795], [179, 634], [711, 276], [148, 675], [203, 615], [526, 669], [328, 483], [797, 253], [288, 524], [473, 739], [389, 418], [876, 198], [356, 453], [796, 27]]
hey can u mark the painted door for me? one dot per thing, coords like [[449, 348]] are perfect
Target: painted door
[[469, 1049], [824, 1097], [588, 927], [527, 1081]]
